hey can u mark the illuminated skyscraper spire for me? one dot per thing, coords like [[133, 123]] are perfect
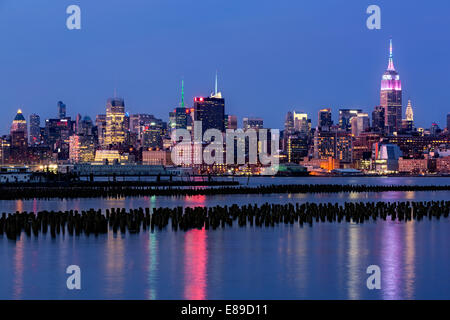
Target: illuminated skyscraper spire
[[391, 57], [409, 112], [182, 93], [216, 93], [391, 96], [215, 88]]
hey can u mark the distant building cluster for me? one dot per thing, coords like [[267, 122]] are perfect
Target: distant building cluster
[[378, 142], [387, 144]]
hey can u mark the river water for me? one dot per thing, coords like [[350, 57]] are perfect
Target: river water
[[325, 261]]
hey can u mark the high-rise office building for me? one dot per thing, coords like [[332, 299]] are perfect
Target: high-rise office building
[[85, 126], [360, 124], [297, 148], [100, 123], [378, 119], [4, 149], [139, 122], [56, 136], [126, 123], [211, 112], [289, 124], [333, 144], [19, 135], [448, 122], [61, 110], [344, 147], [324, 144], [115, 117], [301, 122], [82, 148], [345, 117], [152, 136], [179, 118], [324, 122], [391, 97], [35, 129]]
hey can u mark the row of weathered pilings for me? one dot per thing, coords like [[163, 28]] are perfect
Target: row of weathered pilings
[[115, 191], [96, 222]]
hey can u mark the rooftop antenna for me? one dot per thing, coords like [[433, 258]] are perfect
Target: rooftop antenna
[[391, 56], [182, 93], [215, 88]]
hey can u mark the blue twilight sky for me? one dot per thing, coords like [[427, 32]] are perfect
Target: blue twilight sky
[[272, 56]]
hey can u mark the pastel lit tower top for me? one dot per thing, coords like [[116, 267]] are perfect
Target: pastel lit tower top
[[19, 123], [391, 78], [409, 112]]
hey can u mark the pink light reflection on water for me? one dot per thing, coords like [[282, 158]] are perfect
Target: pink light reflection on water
[[195, 262], [195, 201], [391, 261]]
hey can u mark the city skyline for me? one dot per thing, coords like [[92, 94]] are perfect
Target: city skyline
[[270, 74], [390, 82]]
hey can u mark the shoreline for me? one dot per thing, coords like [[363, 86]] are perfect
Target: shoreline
[[111, 190]]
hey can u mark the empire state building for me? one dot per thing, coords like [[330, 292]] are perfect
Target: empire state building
[[391, 97]]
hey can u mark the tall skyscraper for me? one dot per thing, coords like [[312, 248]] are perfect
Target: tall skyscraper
[[448, 121], [100, 123], [408, 122], [301, 122], [35, 129], [19, 135], [181, 117], [345, 117], [324, 122], [409, 112], [115, 116], [391, 96], [61, 110], [210, 111], [56, 136], [289, 124]]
